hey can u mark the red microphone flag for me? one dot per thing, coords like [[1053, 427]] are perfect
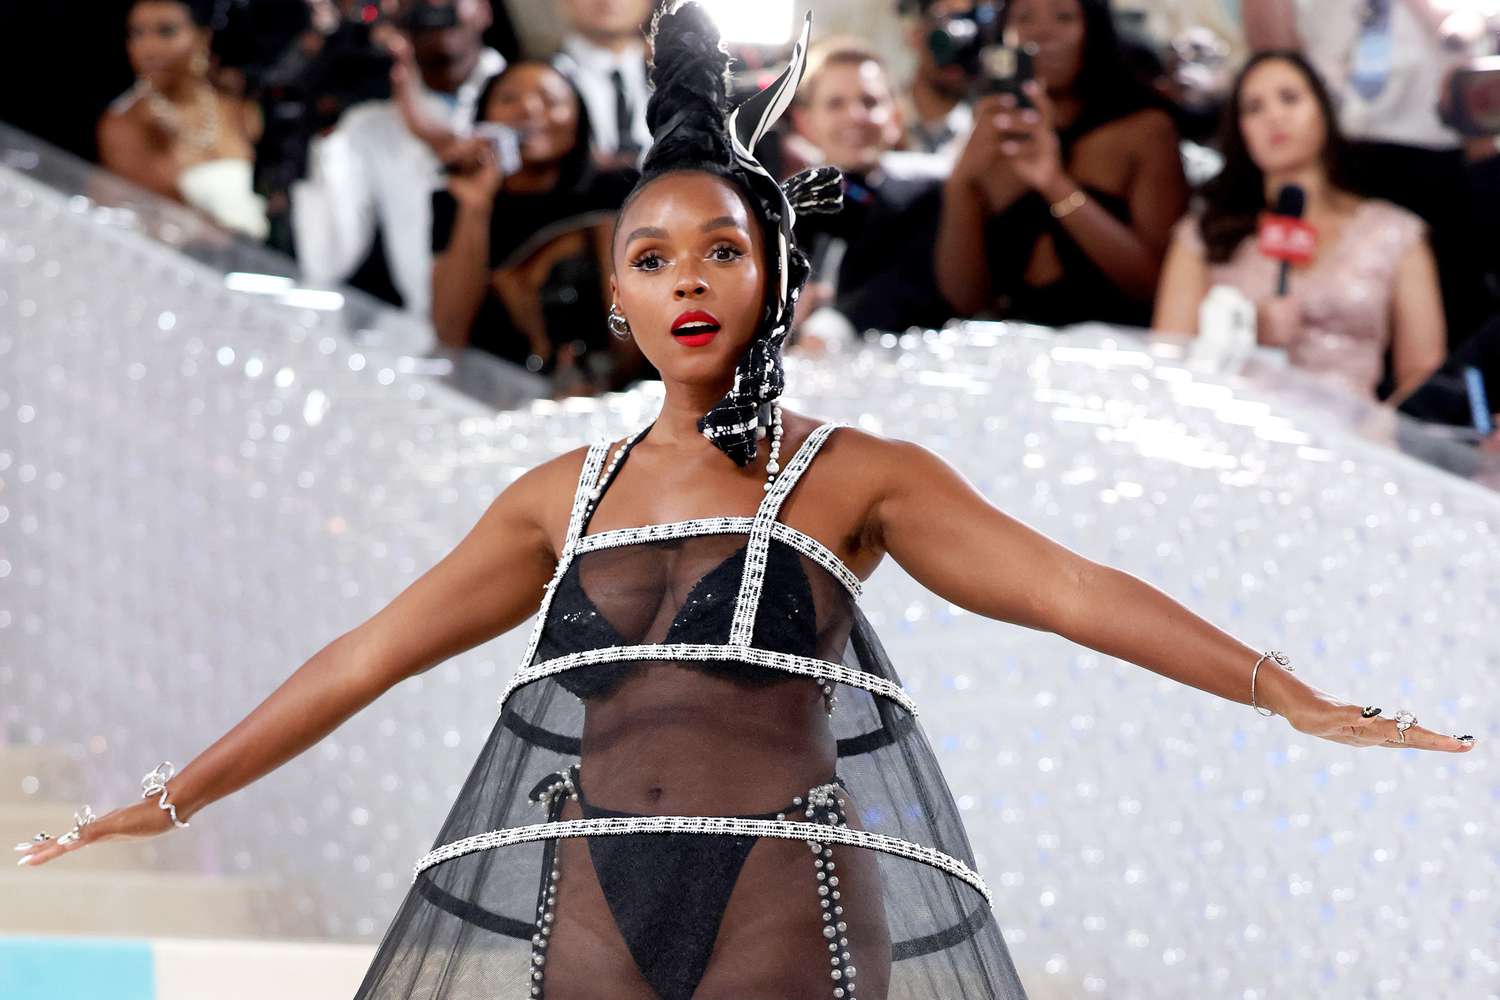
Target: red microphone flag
[[1285, 238]]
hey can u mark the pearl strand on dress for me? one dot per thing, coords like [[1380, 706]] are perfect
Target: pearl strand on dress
[[773, 466], [561, 786], [835, 929], [597, 490]]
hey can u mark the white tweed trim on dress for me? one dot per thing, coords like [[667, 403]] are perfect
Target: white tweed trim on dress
[[742, 629], [803, 543], [593, 464], [806, 666], [716, 825]]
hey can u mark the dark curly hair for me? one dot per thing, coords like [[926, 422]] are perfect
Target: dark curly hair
[[1235, 198], [688, 118]]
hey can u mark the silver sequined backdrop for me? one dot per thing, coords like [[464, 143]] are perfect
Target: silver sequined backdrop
[[198, 490]]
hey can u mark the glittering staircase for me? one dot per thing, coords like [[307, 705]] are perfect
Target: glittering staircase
[[114, 888], [124, 920]]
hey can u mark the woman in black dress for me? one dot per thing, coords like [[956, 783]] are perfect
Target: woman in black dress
[[706, 780], [1061, 212], [521, 257]]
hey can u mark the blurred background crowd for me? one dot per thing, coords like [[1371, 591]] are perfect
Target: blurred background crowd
[[1321, 177]]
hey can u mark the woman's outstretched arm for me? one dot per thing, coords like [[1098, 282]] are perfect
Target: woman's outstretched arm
[[959, 546], [489, 583]]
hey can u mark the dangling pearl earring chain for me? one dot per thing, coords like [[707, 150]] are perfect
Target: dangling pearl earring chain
[[773, 464]]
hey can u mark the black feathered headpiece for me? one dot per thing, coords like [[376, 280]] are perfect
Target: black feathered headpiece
[[693, 128]]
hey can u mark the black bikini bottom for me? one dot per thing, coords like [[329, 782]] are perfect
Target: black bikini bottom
[[668, 893]]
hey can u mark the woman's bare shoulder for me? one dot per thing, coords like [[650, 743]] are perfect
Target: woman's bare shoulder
[[540, 500], [1151, 121], [245, 113], [126, 116], [1145, 128], [862, 458], [553, 482]]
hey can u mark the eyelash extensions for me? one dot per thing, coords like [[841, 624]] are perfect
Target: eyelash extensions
[[736, 254]]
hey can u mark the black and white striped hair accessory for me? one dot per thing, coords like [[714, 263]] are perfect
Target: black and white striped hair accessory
[[819, 191], [759, 378]]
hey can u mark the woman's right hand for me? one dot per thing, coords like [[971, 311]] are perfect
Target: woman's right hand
[[982, 164], [132, 822], [476, 175]]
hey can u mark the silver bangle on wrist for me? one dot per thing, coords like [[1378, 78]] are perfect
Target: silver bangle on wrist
[[155, 783], [1282, 660]]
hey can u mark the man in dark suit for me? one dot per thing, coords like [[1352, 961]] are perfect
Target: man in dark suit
[[873, 260]]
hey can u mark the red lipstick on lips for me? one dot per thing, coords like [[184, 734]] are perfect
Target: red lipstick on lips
[[695, 328]]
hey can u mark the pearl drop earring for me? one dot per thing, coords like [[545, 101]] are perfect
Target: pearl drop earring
[[773, 464]]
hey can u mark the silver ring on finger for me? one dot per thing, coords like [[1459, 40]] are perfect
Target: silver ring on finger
[[80, 820], [1404, 720]]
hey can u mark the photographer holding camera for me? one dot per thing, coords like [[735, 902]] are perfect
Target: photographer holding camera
[[375, 172], [938, 113], [1061, 206]]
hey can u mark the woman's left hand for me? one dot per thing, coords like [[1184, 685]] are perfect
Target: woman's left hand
[[1332, 719], [1031, 145]]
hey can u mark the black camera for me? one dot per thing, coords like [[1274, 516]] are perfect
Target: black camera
[[972, 40], [1005, 69], [957, 39], [1471, 105]]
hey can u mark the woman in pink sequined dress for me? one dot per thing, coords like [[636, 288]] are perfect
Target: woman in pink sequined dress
[[1372, 284]]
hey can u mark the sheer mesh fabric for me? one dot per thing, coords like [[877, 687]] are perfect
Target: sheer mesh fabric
[[702, 914]]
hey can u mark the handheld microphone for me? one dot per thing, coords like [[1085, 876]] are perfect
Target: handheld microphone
[[1284, 236]]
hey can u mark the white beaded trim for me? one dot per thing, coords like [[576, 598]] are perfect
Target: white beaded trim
[[720, 825], [743, 627], [805, 666], [820, 554], [593, 462], [781, 531], [588, 479], [616, 537]]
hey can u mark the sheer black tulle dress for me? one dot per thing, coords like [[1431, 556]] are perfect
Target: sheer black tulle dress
[[705, 781]]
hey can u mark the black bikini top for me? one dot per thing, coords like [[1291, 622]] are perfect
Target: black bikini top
[[656, 591]]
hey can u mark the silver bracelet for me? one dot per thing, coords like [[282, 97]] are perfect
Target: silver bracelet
[[155, 783], [1281, 661]]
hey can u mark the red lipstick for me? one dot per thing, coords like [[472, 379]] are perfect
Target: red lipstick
[[695, 328]]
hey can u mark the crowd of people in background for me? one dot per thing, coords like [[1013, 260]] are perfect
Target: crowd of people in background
[[1119, 178]]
